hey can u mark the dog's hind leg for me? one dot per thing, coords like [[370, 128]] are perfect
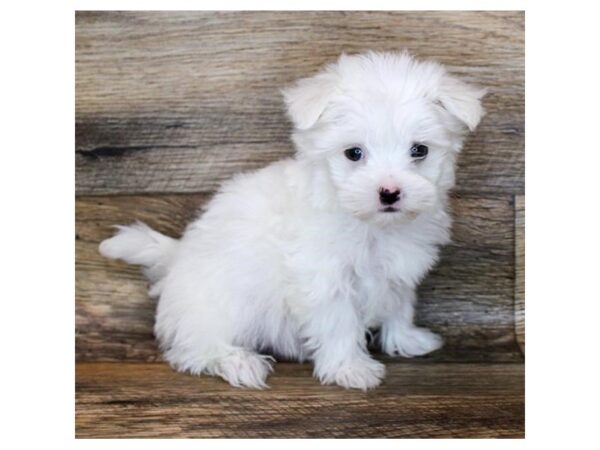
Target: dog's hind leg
[[238, 366], [243, 368]]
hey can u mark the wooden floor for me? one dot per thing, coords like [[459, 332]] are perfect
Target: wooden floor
[[417, 400]]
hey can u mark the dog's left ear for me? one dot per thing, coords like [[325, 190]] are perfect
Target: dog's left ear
[[462, 100], [307, 99]]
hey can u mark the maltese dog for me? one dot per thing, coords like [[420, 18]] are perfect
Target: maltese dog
[[302, 258]]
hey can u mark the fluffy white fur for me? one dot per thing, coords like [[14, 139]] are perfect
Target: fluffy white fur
[[298, 259]]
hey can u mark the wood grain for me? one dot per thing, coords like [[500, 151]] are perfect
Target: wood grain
[[179, 101], [468, 298], [415, 401], [520, 270]]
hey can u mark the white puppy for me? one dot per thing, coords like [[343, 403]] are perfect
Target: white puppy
[[301, 258]]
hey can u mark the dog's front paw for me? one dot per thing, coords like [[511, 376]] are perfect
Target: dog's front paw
[[409, 342], [360, 373]]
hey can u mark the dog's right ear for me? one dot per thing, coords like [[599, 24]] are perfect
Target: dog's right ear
[[307, 98], [462, 100]]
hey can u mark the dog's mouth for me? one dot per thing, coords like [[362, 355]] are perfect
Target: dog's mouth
[[389, 209]]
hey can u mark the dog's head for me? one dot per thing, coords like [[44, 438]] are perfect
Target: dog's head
[[388, 129]]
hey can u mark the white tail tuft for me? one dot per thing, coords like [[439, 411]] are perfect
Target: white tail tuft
[[140, 244]]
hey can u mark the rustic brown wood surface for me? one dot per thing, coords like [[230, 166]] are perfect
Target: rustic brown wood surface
[[416, 400], [168, 105], [178, 102], [468, 298], [520, 270]]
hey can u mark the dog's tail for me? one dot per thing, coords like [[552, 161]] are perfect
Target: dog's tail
[[140, 244]]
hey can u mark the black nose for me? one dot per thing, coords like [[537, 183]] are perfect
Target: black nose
[[388, 198]]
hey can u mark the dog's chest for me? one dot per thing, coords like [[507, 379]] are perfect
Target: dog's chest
[[384, 270]]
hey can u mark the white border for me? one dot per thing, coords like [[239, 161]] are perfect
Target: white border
[[36, 176]]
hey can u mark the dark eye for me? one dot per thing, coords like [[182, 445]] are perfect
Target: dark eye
[[354, 153], [419, 151]]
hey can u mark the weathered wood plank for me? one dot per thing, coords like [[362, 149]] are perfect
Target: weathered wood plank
[[468, 298], [178, 101], [520, 270], [114, 314], [415, 400]]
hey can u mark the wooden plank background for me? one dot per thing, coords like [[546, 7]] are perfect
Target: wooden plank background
[[469, 299], [520, 270], [178, 102], [170, 104], [415, 400]]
